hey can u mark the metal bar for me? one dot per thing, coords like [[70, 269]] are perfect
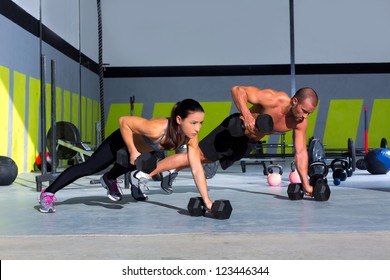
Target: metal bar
[[74, 148], [292, 48], [43, 115], [53, 118], [365, 130]]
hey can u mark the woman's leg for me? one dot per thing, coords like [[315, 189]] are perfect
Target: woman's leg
[[100, 159]]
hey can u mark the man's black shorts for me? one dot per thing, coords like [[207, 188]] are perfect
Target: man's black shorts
[[220, 145]]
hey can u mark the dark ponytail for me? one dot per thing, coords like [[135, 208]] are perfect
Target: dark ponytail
[[174, 137]]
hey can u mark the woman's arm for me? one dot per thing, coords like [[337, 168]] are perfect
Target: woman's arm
[[193, 153], [133, 125]]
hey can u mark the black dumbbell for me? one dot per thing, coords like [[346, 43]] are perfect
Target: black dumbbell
[[317, 173], [146, 162], [264, 123], [339, 167], [221, 208], [321, 191]]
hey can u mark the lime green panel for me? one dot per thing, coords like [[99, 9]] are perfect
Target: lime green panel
[[83, 123], [58, 104], [33, 122], [342, 122], [18, 118], [75, 109], [162, 110], [4, 109], [90, 125], [119, 110], [379, 123], [215, 113], [67, 105]]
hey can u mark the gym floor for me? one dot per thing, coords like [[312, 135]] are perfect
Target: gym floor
[[354, 224]]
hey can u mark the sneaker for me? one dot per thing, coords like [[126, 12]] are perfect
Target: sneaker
[[113, 190], [46, 201], [168, 177], [138, 182]]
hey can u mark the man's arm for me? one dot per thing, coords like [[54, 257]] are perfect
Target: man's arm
[[301, 157], [242, 95]]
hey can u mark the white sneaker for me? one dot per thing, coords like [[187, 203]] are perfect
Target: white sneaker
[[138, 182]]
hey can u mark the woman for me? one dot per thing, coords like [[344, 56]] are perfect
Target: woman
[[139, 135]]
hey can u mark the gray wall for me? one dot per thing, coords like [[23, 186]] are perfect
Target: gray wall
[[20, 53], [234, 32]]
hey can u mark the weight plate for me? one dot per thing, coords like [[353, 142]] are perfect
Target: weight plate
[[316, 151], [65, 131]]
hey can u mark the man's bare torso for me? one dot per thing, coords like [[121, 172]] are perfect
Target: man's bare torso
[[283, 121]]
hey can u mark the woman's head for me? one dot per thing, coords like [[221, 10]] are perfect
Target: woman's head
[[186, 119]]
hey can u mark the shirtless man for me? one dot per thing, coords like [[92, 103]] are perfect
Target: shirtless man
[[219, 145]]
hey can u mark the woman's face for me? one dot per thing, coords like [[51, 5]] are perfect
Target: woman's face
[[191, 125]]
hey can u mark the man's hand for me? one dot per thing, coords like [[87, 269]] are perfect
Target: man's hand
[[208, 204], [249, 123], [308, 190]]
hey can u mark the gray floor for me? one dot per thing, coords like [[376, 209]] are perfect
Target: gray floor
[[353, 224]]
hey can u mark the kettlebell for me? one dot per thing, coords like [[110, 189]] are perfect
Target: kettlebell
[[317, 170], [274, 178], [294, 176], [339, 167]]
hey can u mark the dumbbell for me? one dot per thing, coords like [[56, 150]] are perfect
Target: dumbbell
[[264, 123], [317, 170], [321, 191], [317, 173], [274, 178], [339, 167], [146, 162], [221, 208]]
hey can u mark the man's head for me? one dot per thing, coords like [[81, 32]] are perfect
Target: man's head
[[303, 103]]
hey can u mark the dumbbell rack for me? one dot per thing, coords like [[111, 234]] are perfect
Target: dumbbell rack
[[260, 158]]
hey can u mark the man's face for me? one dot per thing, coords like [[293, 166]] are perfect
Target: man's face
[[302, 109]]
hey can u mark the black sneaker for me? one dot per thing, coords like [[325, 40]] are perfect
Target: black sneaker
[[113, 190], [168, 177]]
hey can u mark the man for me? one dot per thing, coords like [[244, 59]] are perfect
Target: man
[[219, 145]]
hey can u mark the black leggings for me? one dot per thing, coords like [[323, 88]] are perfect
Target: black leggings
[[103, 157]]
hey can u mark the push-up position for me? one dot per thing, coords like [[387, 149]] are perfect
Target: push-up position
[[139, 135], [220, 145]]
